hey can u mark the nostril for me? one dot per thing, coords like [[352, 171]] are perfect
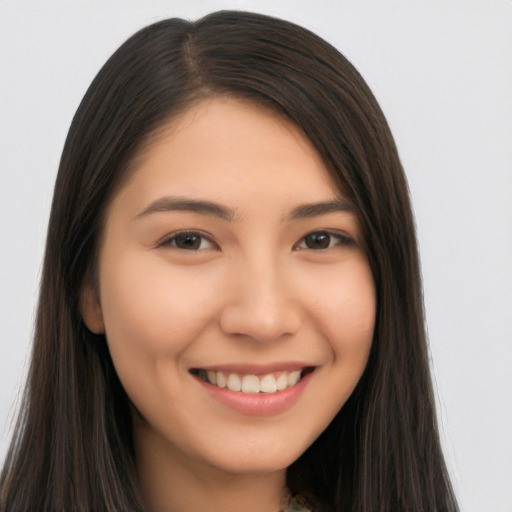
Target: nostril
[[265, 324]]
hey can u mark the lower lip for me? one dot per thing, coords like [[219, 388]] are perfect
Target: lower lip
[[258, 404]]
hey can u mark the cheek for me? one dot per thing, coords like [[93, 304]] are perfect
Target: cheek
[[346, 312], [152, 310]]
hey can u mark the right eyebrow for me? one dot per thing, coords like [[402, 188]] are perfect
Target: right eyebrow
[[176, 203]]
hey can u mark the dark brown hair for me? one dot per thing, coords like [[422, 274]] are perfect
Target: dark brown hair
[[72, 449]]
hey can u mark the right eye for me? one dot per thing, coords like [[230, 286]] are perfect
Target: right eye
[[188, 241]]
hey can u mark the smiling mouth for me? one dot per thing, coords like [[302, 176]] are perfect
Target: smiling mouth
[[252, 384]]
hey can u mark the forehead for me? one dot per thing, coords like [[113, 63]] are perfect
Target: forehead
[[228, 149]]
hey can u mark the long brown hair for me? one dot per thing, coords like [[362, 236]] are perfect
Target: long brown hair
[[72, 448]]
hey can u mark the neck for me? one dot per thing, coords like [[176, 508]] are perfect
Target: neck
[[170, 482]]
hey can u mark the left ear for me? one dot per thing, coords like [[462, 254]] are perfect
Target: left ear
[[90, 308]]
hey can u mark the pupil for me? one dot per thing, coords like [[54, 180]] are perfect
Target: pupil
[[319, 240], [188, 241]]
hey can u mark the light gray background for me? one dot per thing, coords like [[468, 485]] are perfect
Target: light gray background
[[442, 71]]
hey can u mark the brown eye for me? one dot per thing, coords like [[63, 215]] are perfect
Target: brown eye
[[318, 240], [188, 241], [322, 240]]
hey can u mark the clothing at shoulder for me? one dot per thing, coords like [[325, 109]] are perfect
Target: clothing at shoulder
[[296, 504]]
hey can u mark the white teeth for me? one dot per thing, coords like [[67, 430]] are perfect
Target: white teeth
[[268, 384], [221, 381], [253, 384], [234, 383], [282, 382], [212, 377], [293, 378]]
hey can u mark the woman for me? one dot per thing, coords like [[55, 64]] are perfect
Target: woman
[[230, 314]]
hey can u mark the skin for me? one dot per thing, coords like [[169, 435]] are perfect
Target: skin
[[253, 293]]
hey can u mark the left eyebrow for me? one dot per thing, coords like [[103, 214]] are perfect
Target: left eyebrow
[[307, 211]]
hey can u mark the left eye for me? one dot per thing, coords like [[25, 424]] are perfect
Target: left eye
[[188, 241], [321, 240]]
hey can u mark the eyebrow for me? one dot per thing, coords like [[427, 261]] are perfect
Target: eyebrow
[[304, 211], [171, 203], [307, 211]]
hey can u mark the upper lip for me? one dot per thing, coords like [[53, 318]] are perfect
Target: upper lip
[[256, 369]]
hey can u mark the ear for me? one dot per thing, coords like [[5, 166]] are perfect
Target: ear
[[90, 308]]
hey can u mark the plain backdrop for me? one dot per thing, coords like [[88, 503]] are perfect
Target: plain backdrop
[[442, 72]]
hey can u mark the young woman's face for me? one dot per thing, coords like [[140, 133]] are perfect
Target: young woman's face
[[230, 259]]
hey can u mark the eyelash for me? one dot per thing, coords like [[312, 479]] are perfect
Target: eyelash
[[171, 241], [340, 239]]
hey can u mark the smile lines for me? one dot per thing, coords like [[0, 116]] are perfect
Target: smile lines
[[251, 384]]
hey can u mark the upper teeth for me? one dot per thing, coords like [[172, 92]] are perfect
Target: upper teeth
[[269, 383]]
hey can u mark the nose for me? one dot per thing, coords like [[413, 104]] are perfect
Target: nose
[[260, 303]]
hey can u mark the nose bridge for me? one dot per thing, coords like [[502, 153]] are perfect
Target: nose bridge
[[261, 304]]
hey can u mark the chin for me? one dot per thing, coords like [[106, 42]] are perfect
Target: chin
[[258, 460]]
